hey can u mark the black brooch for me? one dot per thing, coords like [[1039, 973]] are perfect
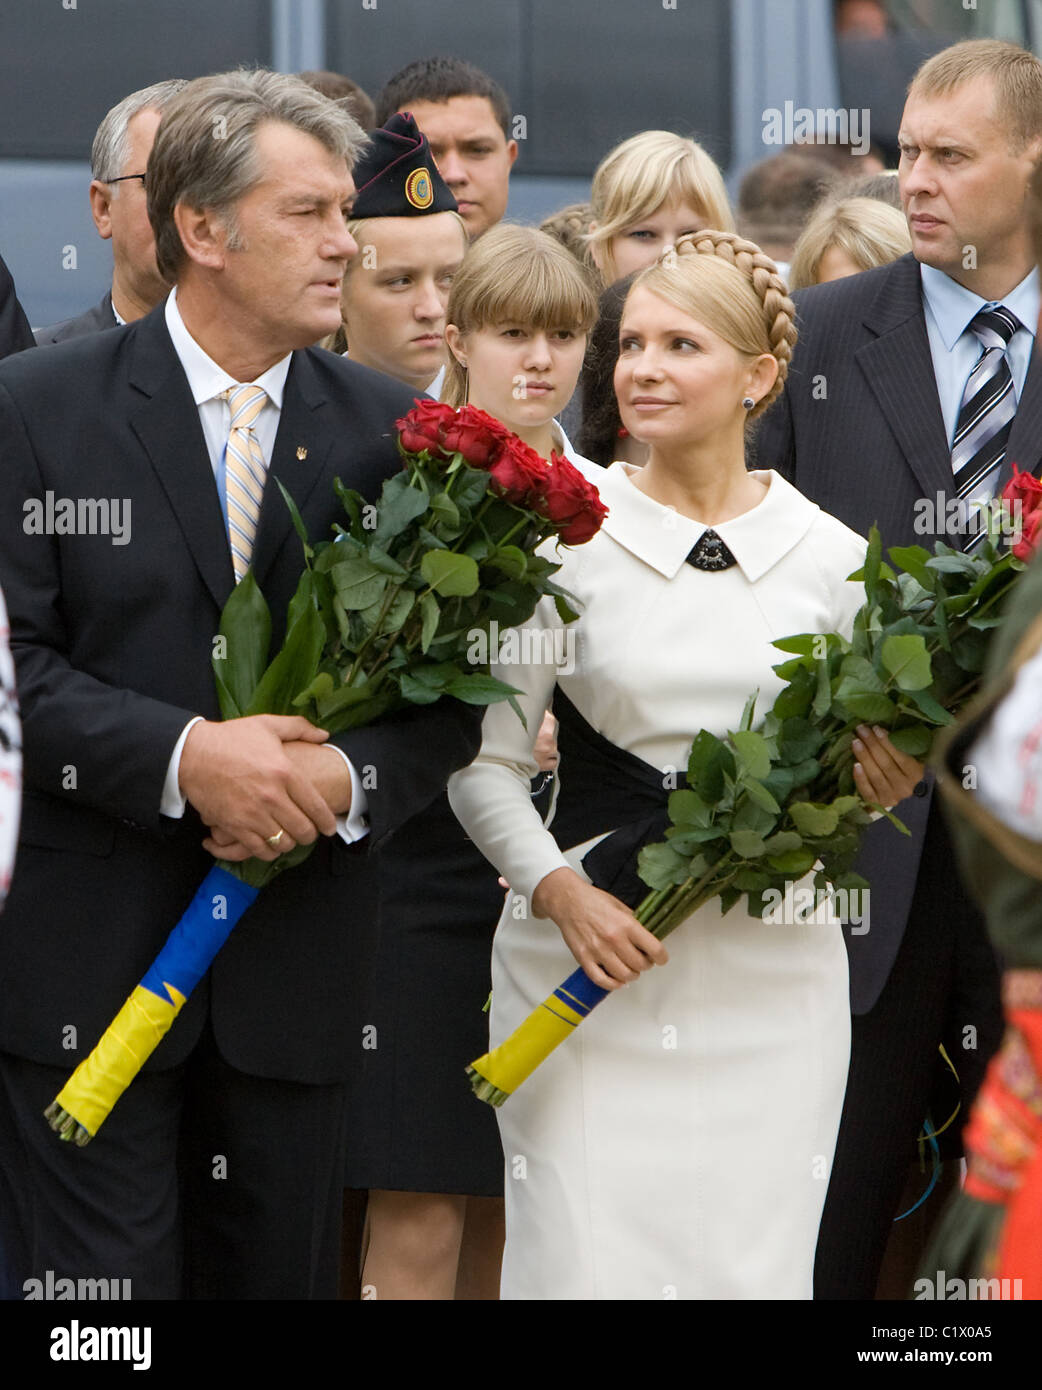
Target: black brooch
[[710, 553]]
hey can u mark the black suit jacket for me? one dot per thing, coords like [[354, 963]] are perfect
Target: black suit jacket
[[859, 429], [15, 333], [113, 645], [93, 321]]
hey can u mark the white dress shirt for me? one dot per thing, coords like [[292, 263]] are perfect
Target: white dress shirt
[[1008, 755], [949, 308], [206, 381]]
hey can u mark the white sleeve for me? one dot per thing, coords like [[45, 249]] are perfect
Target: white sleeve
[[172, 802], [492, 797], [354, 826], [1007, 757]]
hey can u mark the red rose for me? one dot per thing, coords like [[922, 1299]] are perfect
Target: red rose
[[477, 436], [571, 503], [1022, 497], [519, 474], [424, 428], [1025, 548]]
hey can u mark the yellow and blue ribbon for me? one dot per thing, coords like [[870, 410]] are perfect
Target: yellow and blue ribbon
[[90, 1093], [500, 1072]]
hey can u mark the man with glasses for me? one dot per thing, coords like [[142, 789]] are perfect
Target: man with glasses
[[119, 156]]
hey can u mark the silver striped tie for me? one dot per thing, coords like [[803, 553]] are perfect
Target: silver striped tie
[[989, 404]]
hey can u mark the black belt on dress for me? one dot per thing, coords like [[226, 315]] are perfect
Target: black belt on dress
[[606, 788]]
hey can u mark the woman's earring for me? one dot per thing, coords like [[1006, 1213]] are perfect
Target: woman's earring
[[748, 402]]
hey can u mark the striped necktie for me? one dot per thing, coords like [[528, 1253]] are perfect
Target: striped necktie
[[989, 404], [245, 472]]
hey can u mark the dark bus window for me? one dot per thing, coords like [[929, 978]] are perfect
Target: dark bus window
[[62, 69], [581, 75]]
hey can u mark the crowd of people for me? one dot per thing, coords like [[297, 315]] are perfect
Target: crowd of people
[[750, 391]]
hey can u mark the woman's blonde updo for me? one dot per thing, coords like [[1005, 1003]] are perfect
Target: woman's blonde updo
[[732, 287]]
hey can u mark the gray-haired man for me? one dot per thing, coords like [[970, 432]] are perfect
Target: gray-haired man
[[229, 1145], [118, 205]]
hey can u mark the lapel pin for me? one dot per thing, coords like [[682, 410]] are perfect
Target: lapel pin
[[302, 453]]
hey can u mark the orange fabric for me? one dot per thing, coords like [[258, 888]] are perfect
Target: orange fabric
[[1020, 1247]]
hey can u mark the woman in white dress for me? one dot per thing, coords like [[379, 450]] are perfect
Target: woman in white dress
[[678, 1145]]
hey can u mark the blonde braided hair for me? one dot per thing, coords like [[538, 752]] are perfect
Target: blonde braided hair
[[761, 322]]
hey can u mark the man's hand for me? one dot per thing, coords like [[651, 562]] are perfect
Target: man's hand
[[241, 779], [328, 773], [602, 934]]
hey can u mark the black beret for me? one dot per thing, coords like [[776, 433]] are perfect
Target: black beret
[[397, 176]]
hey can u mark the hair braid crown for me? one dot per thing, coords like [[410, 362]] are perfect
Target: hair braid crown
[[778, 309]]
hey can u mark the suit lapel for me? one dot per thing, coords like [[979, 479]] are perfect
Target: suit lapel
[[899, 370], [166, 421], [302, 445]]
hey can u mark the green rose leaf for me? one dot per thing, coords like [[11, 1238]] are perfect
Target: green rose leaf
[[914, 560], [446, 513], [710, 759], [358, 583], [804, 644], [928, 707], [469, 487], [915, 741], [873, 709], [293, 668], [795, 700], [752, 880], [783, 842], [753, 754], [400, 503], [565, 611], [449, 574], [298, 523], [661, 866], [430, 615], [510, 559], [687, 808], [760, 794], [246, 628], [811, 818], [353, 503], [798, 740], [862, 673], [794, 863], [478, 689], [907, 660], [749, 844]]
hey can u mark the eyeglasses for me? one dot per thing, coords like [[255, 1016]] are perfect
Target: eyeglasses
[[123, 178]]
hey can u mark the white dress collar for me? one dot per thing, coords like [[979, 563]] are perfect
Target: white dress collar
[[663, 538]]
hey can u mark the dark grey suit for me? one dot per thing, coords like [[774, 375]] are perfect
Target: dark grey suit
[[15, 333], [93, 321], [112, 645], [859, 429]]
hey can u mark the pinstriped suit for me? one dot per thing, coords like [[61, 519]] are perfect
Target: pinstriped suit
[[859, 430]]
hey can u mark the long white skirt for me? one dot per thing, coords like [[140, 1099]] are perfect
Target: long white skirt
[[679, 1143]]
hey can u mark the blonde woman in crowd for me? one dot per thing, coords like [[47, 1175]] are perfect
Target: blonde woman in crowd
[[678, 1144], [647, 193], [428, 1152], [843, 238]]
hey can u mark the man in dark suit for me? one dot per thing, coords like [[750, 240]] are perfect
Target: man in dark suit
[[128, 771], [878, 391], [15, 333], [118, 205]]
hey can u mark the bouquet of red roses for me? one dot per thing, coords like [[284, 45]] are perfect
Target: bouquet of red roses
[[383, 617]]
